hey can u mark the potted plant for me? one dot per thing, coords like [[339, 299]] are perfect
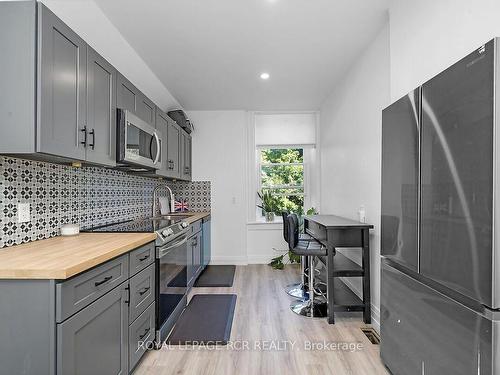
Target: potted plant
[[269, 204]]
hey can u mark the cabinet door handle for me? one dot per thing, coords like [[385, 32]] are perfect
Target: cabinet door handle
[[141, 292], [105, 280], [92, 133], [144, 334], [84, 131], [143, 258]]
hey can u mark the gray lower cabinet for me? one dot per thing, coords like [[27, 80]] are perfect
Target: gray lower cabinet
[[141, 257], [81, 290], [207, 242], [142, 291], [141, 335], [95, 340], [88, 324], [195, 254], [62, 62]]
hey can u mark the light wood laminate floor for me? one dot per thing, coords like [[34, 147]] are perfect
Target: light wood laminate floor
[[262, 317]]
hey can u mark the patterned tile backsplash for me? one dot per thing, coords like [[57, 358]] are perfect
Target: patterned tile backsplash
[[59, 194]]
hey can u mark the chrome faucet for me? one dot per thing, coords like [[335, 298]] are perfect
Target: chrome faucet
[[155, 198]]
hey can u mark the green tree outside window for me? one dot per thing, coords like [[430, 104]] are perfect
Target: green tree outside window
[[282, 174]]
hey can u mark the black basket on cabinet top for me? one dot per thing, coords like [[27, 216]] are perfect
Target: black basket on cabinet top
[[180, 117]]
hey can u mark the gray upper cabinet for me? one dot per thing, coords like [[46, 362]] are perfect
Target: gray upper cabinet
[[170, 143], [59, 97], [127, 95], [62, 65], [95, 340], [146, 110], [186, 156], [101, 110], [131, 98], [173, 148]]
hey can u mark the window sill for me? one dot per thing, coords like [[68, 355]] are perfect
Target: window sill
[[258, 224]]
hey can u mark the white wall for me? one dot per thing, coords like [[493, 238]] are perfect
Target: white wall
[[351, 121], [219, 156], [429, 35], [88, 21], [224, 155]]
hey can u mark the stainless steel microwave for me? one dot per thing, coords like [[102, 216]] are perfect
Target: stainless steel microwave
[[138, 145]]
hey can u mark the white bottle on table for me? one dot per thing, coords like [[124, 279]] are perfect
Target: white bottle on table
[[362, 214]]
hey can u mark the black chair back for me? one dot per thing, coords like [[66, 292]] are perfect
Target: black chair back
[[293, 231], [284, 215]]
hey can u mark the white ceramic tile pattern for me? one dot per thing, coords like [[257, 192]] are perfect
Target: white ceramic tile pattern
[[60, 194]]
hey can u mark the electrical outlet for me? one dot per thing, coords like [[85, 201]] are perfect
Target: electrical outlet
[[23, 212]]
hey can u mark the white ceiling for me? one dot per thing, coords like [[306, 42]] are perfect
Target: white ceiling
[[210, 53]]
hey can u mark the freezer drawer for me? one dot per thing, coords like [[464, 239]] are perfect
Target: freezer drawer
[[423, 331]]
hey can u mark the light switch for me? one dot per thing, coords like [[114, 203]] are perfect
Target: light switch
[[23, 212]]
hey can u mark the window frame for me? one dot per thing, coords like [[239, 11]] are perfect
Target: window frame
[[306, 156]]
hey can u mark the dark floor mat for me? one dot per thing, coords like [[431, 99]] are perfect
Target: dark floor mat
[[180, 280], [216, 276], [206, 320]]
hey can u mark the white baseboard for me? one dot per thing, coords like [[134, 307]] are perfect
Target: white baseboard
[[375, 309], [241, 260], [229, 259], [259, 259]]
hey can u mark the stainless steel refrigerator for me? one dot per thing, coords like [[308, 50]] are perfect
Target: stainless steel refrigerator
[[440, 283]]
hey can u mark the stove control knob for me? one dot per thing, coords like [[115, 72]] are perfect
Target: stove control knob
[[167, 232], [184, 224]]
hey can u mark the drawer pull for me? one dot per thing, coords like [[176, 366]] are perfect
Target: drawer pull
[[144, 334], [105, 280], [143, 258], [141, 292]]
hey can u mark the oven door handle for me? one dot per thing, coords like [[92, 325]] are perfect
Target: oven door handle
[[164, 250], [158, 148]]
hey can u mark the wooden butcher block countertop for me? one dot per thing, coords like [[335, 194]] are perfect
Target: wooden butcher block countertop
[[63, 257]]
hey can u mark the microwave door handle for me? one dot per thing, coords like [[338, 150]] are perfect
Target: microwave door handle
[[158, 151]]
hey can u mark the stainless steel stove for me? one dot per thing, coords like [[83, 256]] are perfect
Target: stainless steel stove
[[172, 258], [167, 228]]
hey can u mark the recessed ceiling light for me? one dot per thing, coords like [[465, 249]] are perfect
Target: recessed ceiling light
[[265, 76]]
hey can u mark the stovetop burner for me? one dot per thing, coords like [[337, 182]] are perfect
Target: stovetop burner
[[138, 225], [166, 229]]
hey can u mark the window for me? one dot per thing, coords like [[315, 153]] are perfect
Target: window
[[282, 174], [283, 164]]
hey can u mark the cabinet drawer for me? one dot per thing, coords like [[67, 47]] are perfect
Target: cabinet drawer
[[141, 257], [95, 340], [195, 227], [76, 293], [142, 291], [141, 335]]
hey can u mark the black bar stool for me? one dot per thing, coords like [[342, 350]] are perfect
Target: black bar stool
[[297, 290], [310, 307]]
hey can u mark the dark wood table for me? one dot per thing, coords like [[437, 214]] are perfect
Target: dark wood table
[[338, 232]]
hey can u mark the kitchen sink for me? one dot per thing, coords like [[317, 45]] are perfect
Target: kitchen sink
[[171, 217]]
